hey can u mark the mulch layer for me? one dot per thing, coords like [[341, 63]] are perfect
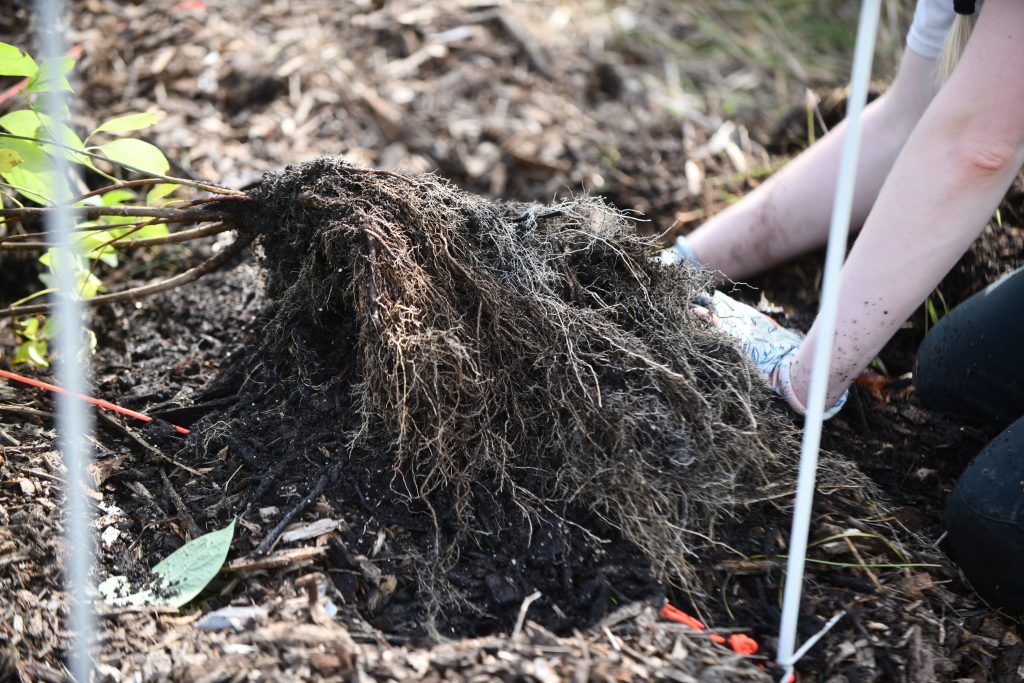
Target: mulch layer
[[524, 102]]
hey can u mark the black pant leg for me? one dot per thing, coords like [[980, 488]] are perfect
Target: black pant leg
[[972, 362], [985, 520]]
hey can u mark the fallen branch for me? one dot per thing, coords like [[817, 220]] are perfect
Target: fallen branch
[[136, 293]]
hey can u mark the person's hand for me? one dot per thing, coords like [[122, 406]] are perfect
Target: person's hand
[[679, 251], [770, 346]]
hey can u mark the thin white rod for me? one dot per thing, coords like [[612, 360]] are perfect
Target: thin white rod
[[837, 237], [73, 419]]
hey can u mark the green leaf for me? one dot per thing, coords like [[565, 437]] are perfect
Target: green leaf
[[9, 159], [88, 285], [94, 245], [14, 62], [29, 329], [34, 176], [21, 122], [127, 122], [49, 329], [52, 76], [116, 197], [155, 230], [136, 153], [160, 191], [181, 576], [91, 343], [32, 353], [30, 124]]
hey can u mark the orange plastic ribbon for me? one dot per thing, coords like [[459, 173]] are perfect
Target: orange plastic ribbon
[[739, 642]]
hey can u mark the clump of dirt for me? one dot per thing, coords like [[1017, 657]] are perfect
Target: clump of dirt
[[493, 372]]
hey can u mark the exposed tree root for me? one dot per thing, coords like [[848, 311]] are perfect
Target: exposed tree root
[[497, 369]]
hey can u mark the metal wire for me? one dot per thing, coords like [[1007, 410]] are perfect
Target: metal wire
[[826, 321], [73, 419]]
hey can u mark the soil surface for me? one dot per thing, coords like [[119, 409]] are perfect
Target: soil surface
[[521, 103]]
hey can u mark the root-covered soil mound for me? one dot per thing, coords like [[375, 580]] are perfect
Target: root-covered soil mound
[[495, 373]]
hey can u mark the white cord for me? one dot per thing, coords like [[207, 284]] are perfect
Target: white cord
[[837, 237], [73, 419], [811, 642]]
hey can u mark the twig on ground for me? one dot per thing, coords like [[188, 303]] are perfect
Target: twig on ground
[[191, 528], [24, 411], [523, 608], [129, 433], [329, 477]]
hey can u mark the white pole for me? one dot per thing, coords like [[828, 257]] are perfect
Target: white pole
[[73, 419], [837, 238]]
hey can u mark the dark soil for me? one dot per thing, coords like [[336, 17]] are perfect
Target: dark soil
[[516, 110]]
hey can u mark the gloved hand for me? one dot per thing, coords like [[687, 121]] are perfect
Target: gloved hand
[[770, 346], [679, 251]]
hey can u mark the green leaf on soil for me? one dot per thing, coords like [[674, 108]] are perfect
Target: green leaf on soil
[[14, 62], [136, 153], [127, 122], [180, 577]]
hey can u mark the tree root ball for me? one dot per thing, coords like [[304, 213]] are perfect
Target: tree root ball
[[497, 369]]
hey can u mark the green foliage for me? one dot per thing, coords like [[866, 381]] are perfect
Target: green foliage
[[14, 62], [32, 138], [932, 313], [180, 577], [35, 347]]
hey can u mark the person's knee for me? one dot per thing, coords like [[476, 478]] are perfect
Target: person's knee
[[970, 363], [985, 520], [939, 371]]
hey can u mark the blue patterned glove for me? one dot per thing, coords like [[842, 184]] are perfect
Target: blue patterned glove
[[770, 346], [678, 252]]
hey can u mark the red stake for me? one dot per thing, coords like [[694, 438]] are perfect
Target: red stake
[[89, 399]]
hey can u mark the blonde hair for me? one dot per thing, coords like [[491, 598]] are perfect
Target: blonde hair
[[956, 42]]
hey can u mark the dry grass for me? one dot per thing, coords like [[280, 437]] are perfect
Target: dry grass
[[743, 58]]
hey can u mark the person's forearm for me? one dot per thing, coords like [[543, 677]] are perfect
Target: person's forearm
[[789, 214], [949, 179]]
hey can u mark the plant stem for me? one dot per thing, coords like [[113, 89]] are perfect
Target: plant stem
[[169, 214], [141, 182], [136, 293]]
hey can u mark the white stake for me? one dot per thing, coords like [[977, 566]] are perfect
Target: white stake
[[73, 420], [837, 237]]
